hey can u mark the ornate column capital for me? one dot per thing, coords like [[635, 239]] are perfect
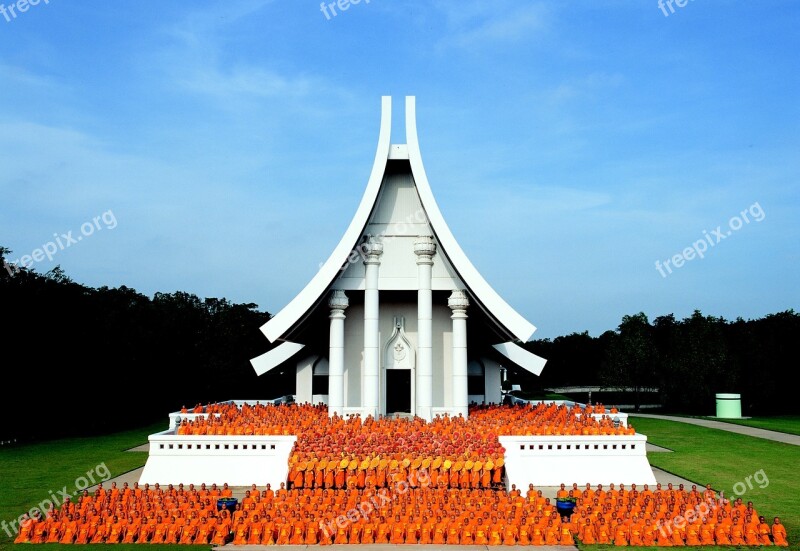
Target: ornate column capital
[[424, 248], [338, 303], [372, 251], [458, 303]]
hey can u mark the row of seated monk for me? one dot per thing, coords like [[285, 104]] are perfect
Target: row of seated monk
[[484, 423], [411, 515], [490, 475], [220, 407]]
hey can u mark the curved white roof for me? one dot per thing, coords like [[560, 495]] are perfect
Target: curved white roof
[[284, 320], [480, 289]]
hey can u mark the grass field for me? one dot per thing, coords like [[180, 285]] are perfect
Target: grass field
[[29, 473], [785, 423]]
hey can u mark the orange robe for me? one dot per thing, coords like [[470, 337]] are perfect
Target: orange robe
[[779, 535]]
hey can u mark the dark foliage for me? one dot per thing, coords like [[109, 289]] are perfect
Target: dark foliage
[[91, 361], [689, 361]]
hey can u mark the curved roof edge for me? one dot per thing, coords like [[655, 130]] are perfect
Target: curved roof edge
[[500, 309], [526, 360], [276, 327], [275, 357]]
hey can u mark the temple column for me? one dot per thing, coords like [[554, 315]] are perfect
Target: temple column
[[424, 248], [370, 392], [337, 302], [458, 303]]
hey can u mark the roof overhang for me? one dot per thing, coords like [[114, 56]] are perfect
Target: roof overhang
[[275, 357], [521, 357]]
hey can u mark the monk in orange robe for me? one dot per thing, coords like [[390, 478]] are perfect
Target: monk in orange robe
[[204, 532], [240, 534], [220, 533], [383, 531], [737, 533], [722, 534], [565, 537], [397, 531], [284, 529], [439, 531], [368, 532], [779, 533], [481, 533], [587, 534], [69, 530], [621, 534], [649, 533], [706, 532], [25, 530], [603, 532]]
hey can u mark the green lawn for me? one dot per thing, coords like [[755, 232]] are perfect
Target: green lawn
[[29, 473], [783, 423]]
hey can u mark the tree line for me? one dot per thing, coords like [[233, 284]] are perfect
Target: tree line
[[688, 360], [98, 360]]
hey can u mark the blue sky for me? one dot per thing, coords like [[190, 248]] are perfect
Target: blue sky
[[570, 145]]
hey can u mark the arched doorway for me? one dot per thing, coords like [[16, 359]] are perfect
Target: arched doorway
[[399, 358]]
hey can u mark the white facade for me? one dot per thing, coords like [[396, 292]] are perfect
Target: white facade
[[398, 319]]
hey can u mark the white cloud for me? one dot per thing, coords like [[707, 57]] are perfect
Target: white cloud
[[479, 23]]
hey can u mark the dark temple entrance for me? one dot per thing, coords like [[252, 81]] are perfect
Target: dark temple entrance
[[398, 391]]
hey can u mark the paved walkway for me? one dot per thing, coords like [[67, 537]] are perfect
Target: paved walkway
[[792, 439]]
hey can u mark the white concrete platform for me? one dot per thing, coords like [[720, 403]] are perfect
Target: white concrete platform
[[239, 460], [552, 460]]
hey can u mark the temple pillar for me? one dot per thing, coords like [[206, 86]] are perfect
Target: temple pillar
[[458, 303], [370, 392], [424, 248], [337, 302]]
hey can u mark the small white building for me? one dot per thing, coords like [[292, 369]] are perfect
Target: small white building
[[398, 319]]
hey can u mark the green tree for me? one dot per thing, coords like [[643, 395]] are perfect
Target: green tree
[[631, 357]]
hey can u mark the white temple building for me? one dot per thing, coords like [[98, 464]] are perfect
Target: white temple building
[[398, 319]]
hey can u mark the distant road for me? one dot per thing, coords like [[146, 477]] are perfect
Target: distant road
[[568, 389]]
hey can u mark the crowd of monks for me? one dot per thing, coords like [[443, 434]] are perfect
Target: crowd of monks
[[354, 480], [667, 517], [412, 514], [332, 452]]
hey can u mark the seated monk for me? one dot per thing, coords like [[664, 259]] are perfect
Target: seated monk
[[621, 534], [566, 533], [779, 533], [398, 531], [481, 534], [25, 529], [763, 532], [368, 532], [383, 531], [588, 534]]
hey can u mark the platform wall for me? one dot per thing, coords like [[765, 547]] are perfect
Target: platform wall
[[237, 460], [552, 460]]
